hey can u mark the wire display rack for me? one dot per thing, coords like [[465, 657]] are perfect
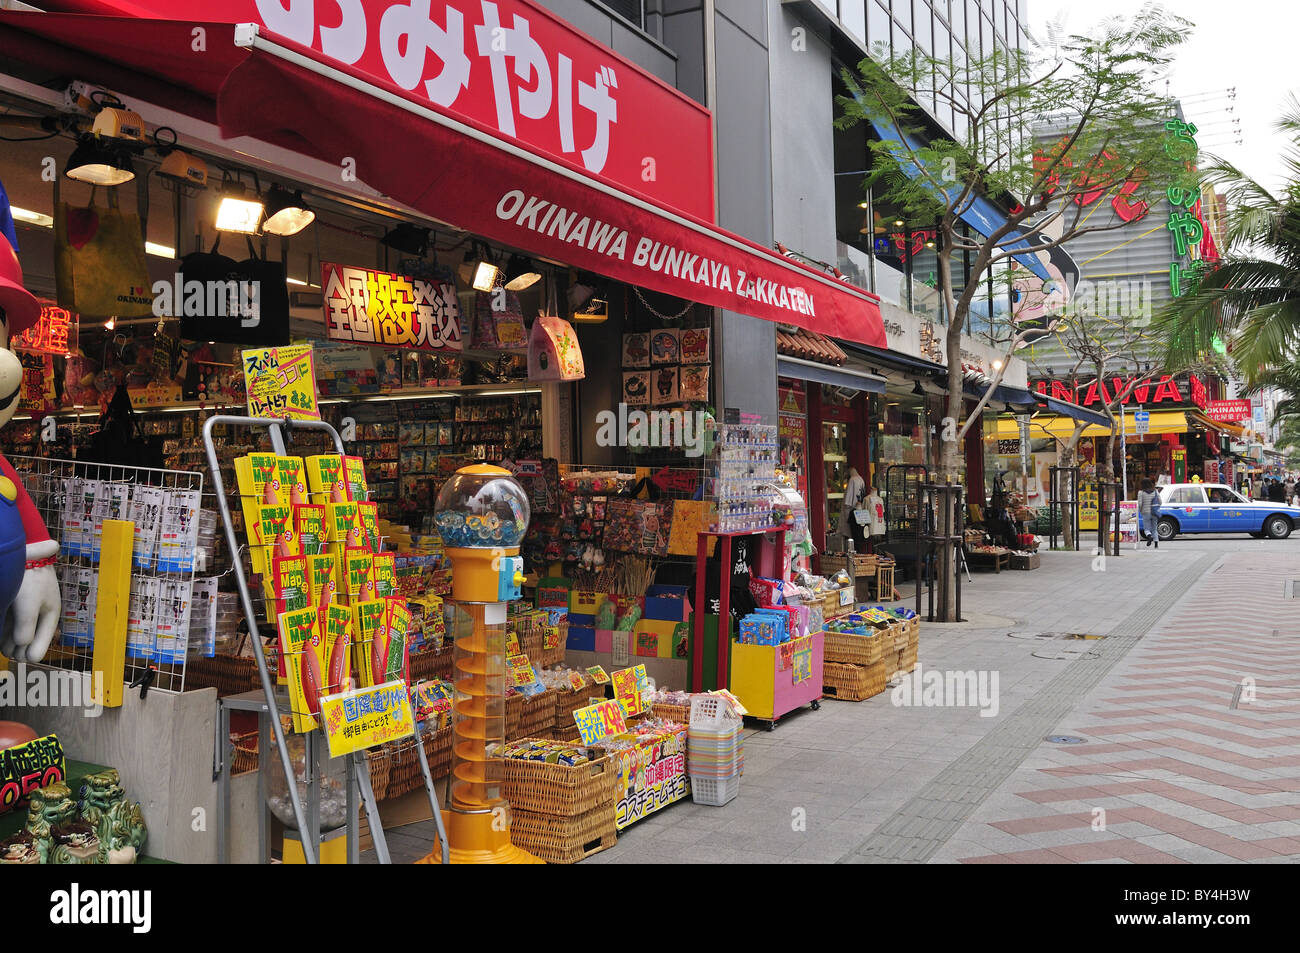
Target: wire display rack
[[173, 539]]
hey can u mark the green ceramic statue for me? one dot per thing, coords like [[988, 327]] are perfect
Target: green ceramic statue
[[22, 848], [118, 822], [76, 843], [49, 807]]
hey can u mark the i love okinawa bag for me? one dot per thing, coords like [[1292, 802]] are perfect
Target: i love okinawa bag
[[99, 264]]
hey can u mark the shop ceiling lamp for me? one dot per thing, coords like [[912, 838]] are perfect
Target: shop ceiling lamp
[[97, 162], [183, 168], [521, 273], [408, 238], [286, 212], [918, 390], [238, 211], [118, 122]]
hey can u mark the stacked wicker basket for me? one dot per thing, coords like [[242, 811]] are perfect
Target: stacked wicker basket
[[559, 813], [860, 666]]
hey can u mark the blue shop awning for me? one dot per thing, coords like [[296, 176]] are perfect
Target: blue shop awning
[[825, 374]]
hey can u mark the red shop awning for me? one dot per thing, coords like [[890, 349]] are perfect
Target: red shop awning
[[253, 83]]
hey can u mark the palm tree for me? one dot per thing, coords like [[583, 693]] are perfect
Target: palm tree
[[1251, 301]]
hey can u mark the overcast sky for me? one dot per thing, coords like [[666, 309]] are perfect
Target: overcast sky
[[1249, 44]]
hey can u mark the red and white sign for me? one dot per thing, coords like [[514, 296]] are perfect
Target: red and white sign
[[1228, 411], [364, 306], [1167, 390], [507, 65]]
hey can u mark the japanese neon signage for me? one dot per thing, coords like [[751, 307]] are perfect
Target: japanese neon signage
[[363, 306], [49, 335]]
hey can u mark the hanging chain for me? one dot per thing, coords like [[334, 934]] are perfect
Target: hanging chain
[[658, 314]]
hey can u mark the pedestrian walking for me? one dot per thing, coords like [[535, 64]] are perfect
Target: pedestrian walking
[[1149, 512], [1277, 492]]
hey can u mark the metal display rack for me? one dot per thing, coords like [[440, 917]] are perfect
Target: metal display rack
[[72, 498], [271, 706]]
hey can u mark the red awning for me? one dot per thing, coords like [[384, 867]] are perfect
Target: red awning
[[255, 84]]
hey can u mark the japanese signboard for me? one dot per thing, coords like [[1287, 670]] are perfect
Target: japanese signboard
[[600, 721], [651, 775], [25, 767], [281, 382], [507, 66], [364, 306], [365, 717], [49, 335], [1165, 390], [36, 387], [1228, 411], [627, 690]]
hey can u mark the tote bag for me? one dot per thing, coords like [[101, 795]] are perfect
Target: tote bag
[[99, 263]]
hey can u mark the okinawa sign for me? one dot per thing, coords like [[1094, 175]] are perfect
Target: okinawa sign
[[1166, 390]]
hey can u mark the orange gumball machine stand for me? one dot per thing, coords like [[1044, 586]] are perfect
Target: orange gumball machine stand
[[482, 514]]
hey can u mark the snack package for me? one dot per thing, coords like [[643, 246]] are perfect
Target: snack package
[[399, 621]]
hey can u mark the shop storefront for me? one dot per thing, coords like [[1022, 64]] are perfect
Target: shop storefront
[[464, 312]]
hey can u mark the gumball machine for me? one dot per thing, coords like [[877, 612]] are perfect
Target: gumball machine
[[482, 514]]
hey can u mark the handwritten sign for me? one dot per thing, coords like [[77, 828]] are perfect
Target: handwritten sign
[[281, 382], [28, 766], [598, 722], [598, 675], [512, 643], [521, 670], [365, 717], [375, 307], [627, 690]]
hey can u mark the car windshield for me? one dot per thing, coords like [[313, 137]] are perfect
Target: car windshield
[[1223, 494]]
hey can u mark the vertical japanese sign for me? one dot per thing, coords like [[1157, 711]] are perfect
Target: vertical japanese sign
[[374, 307], [281, 382]]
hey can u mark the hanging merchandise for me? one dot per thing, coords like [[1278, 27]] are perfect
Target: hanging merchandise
[[553, 351], [220, 299], [498, 322], [99, 263]]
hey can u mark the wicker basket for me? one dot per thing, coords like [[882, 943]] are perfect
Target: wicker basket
[[913, 633], [555, 655], [244, 758], [431, 665], [853, 682], [567, 702], [513, 707], [853, 649], [899, 632], [564, 840], [558, 790], [537, 714], [563, 732], [864, 564], [907, 659], [228, 674], [397, 765], [681, 714]]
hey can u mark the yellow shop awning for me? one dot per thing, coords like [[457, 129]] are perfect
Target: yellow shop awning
[[1054, 425]]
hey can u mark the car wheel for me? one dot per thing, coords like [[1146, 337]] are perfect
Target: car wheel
[[1277, 527], [1167, 528]]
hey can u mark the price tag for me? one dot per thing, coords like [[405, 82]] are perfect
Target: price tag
[[627, 690], [521, 670], [598, 675], [598, 722], [512, 644], [550, 636], [576, 681]]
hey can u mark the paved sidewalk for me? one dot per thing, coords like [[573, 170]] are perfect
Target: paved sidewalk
[[1192, 752], [871, 781]]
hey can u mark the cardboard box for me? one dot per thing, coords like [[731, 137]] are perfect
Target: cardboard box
[[667, 603]]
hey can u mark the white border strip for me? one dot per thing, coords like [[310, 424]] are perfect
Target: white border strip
[[247, 35]]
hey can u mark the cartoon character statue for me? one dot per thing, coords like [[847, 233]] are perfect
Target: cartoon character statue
[[29, 586]]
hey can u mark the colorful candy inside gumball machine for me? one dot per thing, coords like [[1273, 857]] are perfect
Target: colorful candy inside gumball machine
[[482, 514]]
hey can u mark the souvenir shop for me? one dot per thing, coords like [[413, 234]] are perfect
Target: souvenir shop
[[456, 333]]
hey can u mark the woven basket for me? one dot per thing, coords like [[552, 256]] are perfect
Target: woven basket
[[431, 665], [244, 758], [853, 649], [681, 714], [864, 564], [563, 732], [537, 714], [899, 632], [913, 633], [853, 682], [907, 659], [514, 706], [564, 840], [566, 703], [228, 674], [400, 763], [555, 655], [556, 789]]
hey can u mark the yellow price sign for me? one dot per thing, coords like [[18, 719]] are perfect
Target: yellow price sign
[[521, 670], [598, 722], [365, 717], [281, 382], [598, 675], [627, 689]]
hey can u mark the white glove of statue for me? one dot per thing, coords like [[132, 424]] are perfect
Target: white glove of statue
[[31, 619]]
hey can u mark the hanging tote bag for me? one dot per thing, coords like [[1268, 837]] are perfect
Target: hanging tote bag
[[99, 264], [244, 302]]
